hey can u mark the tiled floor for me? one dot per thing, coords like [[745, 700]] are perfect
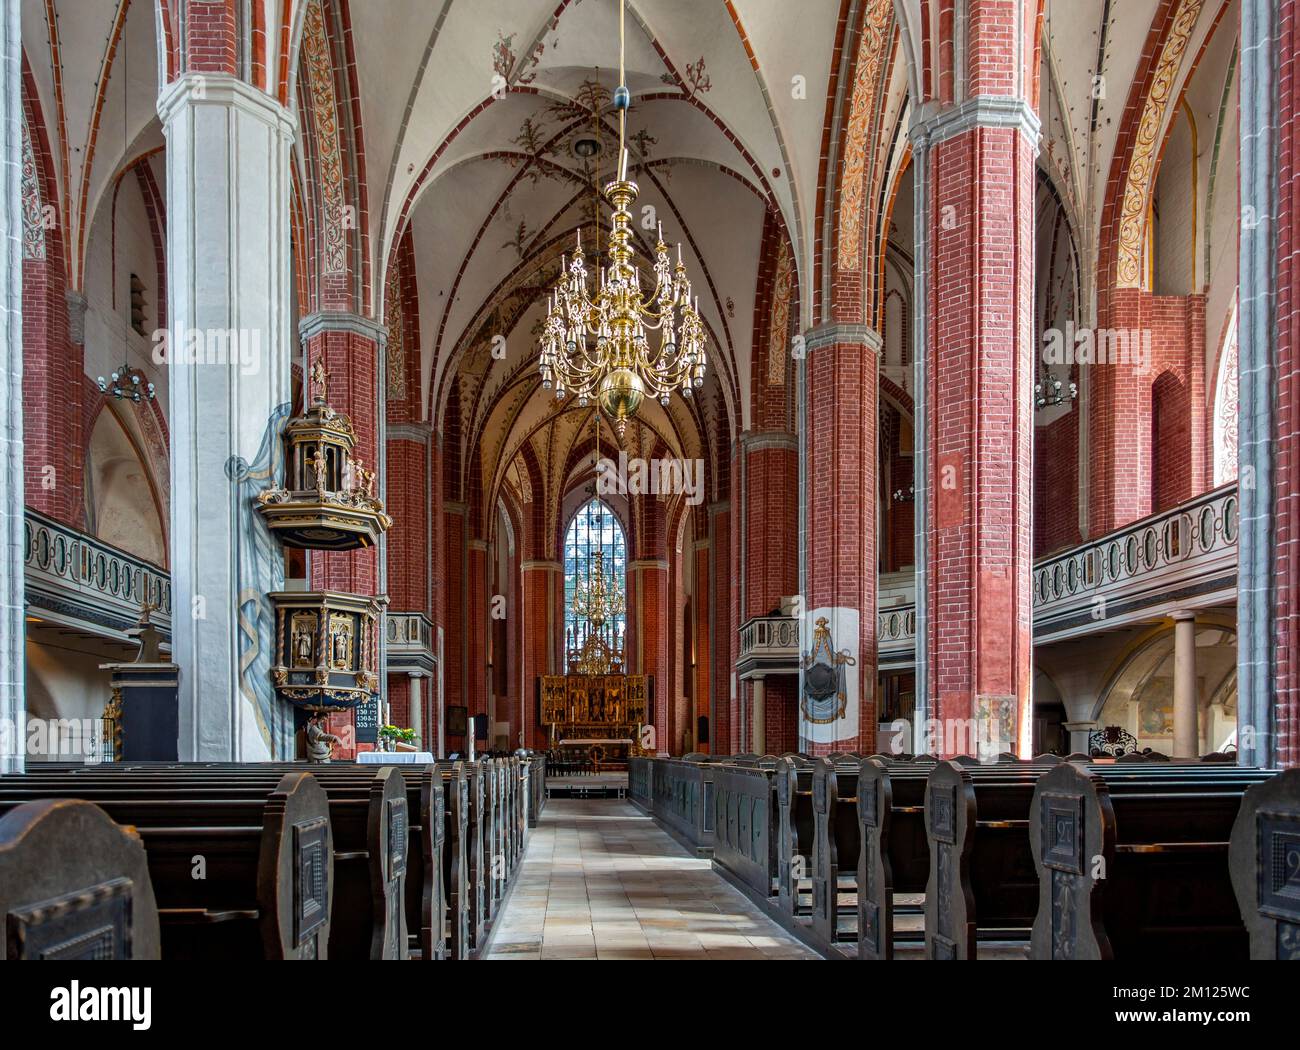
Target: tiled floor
[[601, 881]]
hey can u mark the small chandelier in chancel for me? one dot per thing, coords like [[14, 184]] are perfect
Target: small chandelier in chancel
[[598, 597]]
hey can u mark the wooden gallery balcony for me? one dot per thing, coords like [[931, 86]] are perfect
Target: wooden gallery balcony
[[76, 583], [1181, 558]]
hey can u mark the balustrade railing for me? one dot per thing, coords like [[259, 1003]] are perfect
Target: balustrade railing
[[1186, 555], [76, 579]]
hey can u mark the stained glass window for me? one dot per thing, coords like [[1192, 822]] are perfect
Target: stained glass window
[[594, 527]]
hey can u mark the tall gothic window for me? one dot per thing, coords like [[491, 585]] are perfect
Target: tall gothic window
[[594, 527]]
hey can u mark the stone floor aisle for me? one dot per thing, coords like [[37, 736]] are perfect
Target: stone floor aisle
[[601, 880]]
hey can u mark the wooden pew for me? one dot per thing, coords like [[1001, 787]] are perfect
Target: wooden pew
[[1133, 862], [523, 775], [369, 830], [457, 846], [745, 824], [983, 884], [74, 885], [1264, 859], [426, 894], [794, 834], [835, 854], [893, 855], [537, 775], [493, 847], [982, 875], [475, 883], [479, 842], [268, 854], [681, 798]]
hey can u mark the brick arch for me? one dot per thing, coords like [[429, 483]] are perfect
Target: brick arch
[[845, 240], [54, 434], [1143, 135], [776, 318], [1121, 468], [332, 141]]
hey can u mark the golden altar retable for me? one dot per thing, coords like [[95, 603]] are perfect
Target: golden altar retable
[[595, 707]]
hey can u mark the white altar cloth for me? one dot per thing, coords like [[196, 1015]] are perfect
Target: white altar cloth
[[395, 758]]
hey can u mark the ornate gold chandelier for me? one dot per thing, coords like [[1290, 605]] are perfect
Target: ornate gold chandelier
[[598, 597], [599, 346]]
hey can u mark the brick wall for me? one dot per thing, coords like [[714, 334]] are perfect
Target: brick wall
[[1122, 431], [210, 36], [1056, 484], [351, 361]]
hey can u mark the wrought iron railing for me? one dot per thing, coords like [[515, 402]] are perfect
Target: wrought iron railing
[[75, 578]]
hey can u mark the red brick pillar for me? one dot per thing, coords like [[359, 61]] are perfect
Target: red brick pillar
[[455, 556], [766, 570], [979, 367], [541, 582], [843, 380], [719, 650], [410, 563], [1286, 423], [477, 626], [53, 348], [648, 590], [349, 347], [702, 689]]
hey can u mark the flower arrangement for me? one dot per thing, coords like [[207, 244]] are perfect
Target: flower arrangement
[[395, 735]]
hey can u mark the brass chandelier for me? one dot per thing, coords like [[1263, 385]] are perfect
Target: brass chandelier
[[599, 346], [598, 597]]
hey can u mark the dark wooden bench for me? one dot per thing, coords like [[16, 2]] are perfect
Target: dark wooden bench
[[835, 848], [537, 784], [794, 835], [370, 828], [893, 854], [473, 884], [493, 862], [267, 848], [1132, 862], [455, 857], [981, 872], [1264, 858], [426, 893], [74, 885], [681, 798], [745, 824]]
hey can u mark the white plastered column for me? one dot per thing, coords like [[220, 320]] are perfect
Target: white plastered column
[[228, 271], [13, 672]]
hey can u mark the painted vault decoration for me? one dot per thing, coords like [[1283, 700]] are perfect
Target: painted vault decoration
[[828, 678]]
